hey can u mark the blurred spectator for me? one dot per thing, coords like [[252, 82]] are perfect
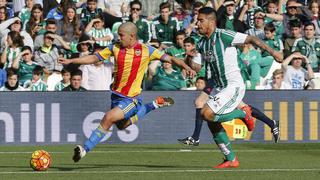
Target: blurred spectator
[[144, 30], [12, 83], [10, 12], [179, 12], [273, 7], [90, 12], [247, 13], [165, 78], [75, 83], [258, 29], [294, 11], [314, 8], [58, 12], [200, 83], [57, 40], [3, 77], [24, 64], [309, 46], [251, 58], [97, 76], [190, 21], [66, 76], [25, 13], [47, 56], [13, 46], [296, 33], [3, 14], [228, 18], [272, 40], [19, 5], [36, 83], [177, 50], [69, 27], [295, 75], [165, 27], [95, 29], [84, 46], [277, 81], [115, 7], [14, 24], [48, 5], [36, 24]]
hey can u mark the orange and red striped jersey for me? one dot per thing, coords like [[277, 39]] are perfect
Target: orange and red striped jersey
[[130, 66]]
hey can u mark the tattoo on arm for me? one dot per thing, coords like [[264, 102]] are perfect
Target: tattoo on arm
[[256, 41]]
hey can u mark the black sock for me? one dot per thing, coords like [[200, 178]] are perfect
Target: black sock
[[198, 125], [262, 117]]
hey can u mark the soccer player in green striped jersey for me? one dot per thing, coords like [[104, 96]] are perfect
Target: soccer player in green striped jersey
[[222, 72]]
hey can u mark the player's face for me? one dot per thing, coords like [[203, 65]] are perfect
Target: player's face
[[124, 38], [12, 80], [309, 32], [179, 40], [76, 82], [204, 24], [92, 6]]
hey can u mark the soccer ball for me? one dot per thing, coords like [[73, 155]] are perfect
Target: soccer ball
[[40, 160]]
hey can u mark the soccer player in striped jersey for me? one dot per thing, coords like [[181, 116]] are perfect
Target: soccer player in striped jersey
[[219, 58], [131, 59]]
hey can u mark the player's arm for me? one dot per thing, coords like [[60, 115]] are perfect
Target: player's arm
[[180, 63], [278, 56], [90, 59], [193, 59]]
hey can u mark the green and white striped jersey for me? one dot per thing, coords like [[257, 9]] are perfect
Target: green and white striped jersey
[[37, 86], [220, 57], [99, 33], [60, 85], [11, 55]]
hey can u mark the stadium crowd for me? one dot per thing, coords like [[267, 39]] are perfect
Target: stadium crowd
[[35, 33]]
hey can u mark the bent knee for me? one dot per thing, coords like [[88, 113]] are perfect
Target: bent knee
[[207, 114]]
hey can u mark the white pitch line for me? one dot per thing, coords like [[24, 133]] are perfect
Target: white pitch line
[[162, 171], [151, 151]]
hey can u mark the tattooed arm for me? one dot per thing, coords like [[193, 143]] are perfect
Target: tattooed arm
[[278, 56]]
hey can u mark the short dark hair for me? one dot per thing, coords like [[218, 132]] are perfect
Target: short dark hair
[[270, 27], [209, 12], [92, 1], [11, 72], [295, 23], [164, 5], [309, 24], [135, 2], [26, 48], [189, 40], [180, 32], [38, 70], [65, 70], [76, 72], [51, 21]]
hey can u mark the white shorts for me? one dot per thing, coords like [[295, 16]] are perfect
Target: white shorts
[[227, 99]]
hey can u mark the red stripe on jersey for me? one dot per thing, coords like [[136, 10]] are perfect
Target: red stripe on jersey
[[120, 66], [134, 68]]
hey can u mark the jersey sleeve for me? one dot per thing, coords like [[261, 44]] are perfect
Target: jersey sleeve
[[239, 38], [155, 54], [105, 53]]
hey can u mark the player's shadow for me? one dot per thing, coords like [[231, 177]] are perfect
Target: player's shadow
[[104, 166]]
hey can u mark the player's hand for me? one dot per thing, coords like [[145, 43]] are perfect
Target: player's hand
[[191, 73], [278, 56], [64, 61]]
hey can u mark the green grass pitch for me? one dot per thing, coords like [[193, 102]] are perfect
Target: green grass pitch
[[126, 161]]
